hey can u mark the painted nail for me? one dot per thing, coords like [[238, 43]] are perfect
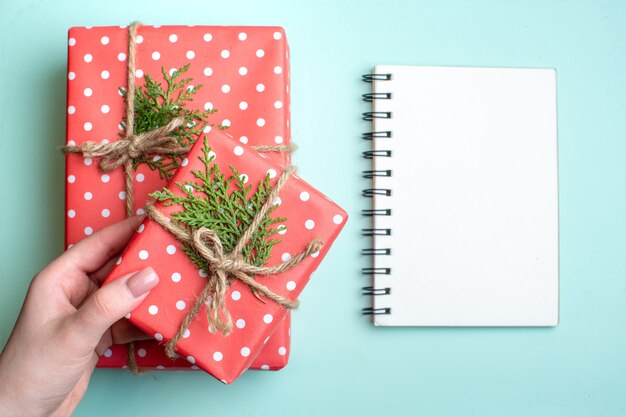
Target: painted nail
[[142, 282]]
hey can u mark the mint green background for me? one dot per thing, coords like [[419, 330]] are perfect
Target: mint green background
[[342, 365]]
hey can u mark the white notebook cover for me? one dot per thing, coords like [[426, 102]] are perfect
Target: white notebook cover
[[474, 197]]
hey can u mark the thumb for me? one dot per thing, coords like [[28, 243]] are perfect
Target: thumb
[[113, 301]]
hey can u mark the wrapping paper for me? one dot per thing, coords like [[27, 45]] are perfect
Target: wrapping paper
[[245, 76], [309, 215], [272, 357]]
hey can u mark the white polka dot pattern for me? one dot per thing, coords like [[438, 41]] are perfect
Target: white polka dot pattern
[[103, 110]]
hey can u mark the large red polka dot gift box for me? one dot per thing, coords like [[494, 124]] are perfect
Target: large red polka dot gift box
[[234, 237], [244, 77]]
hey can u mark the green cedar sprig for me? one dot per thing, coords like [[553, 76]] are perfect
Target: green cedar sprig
[[209, 202], [156, 106]]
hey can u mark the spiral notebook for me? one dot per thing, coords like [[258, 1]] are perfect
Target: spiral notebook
[[464, 199]]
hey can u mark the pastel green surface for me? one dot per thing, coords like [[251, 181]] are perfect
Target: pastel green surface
[[341, 364]]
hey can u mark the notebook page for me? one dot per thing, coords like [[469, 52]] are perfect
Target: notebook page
[[474, 197]]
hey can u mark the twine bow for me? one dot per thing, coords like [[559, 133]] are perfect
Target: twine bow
[[131, 146], [208, 245], [119, 152]]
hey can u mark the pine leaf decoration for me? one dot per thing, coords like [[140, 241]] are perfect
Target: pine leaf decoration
[[156, 106], [211, 201]]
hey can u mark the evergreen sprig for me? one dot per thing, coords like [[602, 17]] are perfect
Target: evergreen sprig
[[156, 106], [226, 205]]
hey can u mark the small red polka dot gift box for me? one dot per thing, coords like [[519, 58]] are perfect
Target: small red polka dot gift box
[[244, 73], [234, 237]]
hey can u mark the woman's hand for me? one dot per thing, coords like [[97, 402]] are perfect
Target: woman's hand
[[68, 321]]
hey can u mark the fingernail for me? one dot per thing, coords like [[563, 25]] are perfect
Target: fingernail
[[142, 282]]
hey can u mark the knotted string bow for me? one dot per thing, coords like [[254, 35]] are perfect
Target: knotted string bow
[[123, 151]]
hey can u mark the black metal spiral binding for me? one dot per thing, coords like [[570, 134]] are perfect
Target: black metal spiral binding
[[376, 291], [376, 135], [368, 78], [378, 153], [376, 271], [377, 173], [376, 212], [370, 311], [376, 232], [371, 115], [371, 192], [376, 251], [369, 97]]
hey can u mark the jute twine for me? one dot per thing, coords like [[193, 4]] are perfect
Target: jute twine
[[122, 152], [208, 245]]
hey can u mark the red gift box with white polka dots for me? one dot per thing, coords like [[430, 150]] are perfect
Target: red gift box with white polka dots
[[309, 215], [245, 76]]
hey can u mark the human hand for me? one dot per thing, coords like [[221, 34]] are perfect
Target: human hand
[[67, 322]]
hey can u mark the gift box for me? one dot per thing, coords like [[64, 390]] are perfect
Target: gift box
[[151, 355], [244, 73], [196, 196]]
